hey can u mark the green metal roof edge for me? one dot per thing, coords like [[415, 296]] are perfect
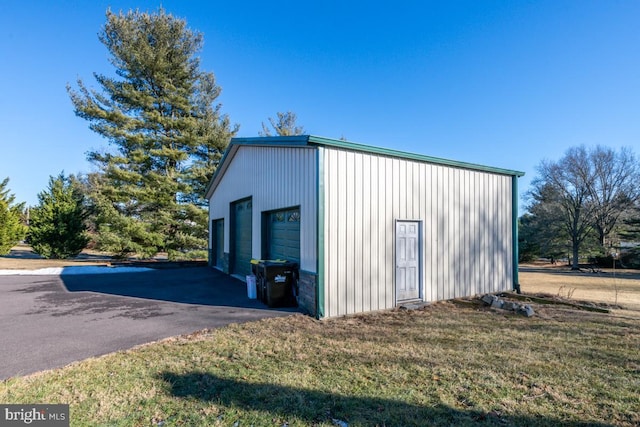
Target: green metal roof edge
[[319, 140], [293, 140], [307, 140]]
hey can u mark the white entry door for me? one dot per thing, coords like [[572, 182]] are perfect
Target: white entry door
[[407, 260]]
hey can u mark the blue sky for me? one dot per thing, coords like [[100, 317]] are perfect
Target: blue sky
[[499, 83]]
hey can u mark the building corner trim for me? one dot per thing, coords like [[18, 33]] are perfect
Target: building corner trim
[[514, 232]]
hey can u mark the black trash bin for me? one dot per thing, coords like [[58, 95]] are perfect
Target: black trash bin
[[276, 283]]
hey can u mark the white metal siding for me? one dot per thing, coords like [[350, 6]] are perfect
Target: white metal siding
[[275, 178], [466, 218]]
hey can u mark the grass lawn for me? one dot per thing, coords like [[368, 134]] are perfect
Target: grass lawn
[[447, 364], [616, 287]]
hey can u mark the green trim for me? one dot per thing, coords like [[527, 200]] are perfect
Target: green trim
[[286, 141], [514, 232], [310, 140], [411, 156], [320, 234]]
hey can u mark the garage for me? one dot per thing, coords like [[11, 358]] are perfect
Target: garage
[[371, 228], [241, 231], [282, 240]]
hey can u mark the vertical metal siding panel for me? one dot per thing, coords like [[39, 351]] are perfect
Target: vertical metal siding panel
[[429, 233], [343, 224], [423, 215], [374, 277], [487, 207], [497, 240], [367, 228], [401, 188], [446, 215], [325, 156], [495, 250], [333, 250], [435, 230], [501, 233], [471, 230], [383, 266], [441, 232], [499, 248], [478, 213], [464, 233], [419, 206], [486, 250], [473, 227], [413, 191], [481, 217], [466, 285], [391, 171], [477, 230], [348, 284], [452, 214], [491, 208], [357, 232], [461, 259], [446, 238], [505, 235], [456, 262]]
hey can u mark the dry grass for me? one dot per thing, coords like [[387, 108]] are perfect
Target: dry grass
[[619, 287], [22, 257], [447, 364], [443, 365]]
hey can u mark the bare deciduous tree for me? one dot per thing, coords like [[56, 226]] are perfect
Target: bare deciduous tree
[[587, 191], [284, 125], [563, 186], [614, 187]]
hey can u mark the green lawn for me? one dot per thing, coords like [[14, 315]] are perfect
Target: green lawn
[[444, 365]]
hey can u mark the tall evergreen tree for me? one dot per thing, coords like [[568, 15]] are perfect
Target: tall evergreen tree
[[166, 135], [57, 225], [631, 226], [11, 228]]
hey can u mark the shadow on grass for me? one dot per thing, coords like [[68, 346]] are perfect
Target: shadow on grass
[[313, 406]]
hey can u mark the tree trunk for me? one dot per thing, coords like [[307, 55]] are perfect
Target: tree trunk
[[575, 264]]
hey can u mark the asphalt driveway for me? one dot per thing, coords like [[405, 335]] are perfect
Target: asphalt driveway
[[51, 321]]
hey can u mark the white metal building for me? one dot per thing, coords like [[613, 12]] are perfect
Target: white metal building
[[371, 228]]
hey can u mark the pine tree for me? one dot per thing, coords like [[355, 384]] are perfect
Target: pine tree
[[11, 228], [57, 225], [165, 132]]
